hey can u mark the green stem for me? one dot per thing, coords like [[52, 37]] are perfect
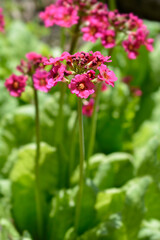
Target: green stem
[[93, 125], [37, 157], [73, 145], [75, 37], [81, 166], [112, 5], [59, 133], [63, 38]]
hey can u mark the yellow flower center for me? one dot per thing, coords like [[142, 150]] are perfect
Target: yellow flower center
[[81, 86]]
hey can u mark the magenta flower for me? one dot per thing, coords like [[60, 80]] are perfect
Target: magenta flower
[[135, 40], [88, 107], [64, 15], [131, 46], [2, 23], [53, 61], [106, 75], [16, 85], [82, 86], [40, 80], [93, 31], [136, 91], [34, 57], [48, 16], [108, 39], [141, 36], [149, 44], [91, 74], [56, 75], [134, 21]]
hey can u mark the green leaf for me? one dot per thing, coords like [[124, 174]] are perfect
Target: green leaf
[[113, 229], [109, 202], [62, 214], [23, 185], [8, 231], [134, 208], [150, 230], [152, 201], [88, 212], [111, 171]]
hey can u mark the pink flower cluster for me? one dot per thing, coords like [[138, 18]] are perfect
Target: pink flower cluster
[[33, 67], [107, 25], [2, 23], [63, 13], [96, 21], [135, 40], [81, 71]]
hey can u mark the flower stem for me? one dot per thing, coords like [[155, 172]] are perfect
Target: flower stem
[[81, 173], [37, 157], [59, 133], [93, 125], [63, 38], [112, 5], [75, 37], [73, 145]]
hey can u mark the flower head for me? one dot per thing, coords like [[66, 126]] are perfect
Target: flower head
[[79, 72], [81, 86], [16, 85]]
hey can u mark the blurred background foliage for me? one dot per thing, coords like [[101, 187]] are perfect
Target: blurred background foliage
[[121, 200]]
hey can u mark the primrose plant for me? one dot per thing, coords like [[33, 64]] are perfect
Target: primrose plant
[[85, 74]]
